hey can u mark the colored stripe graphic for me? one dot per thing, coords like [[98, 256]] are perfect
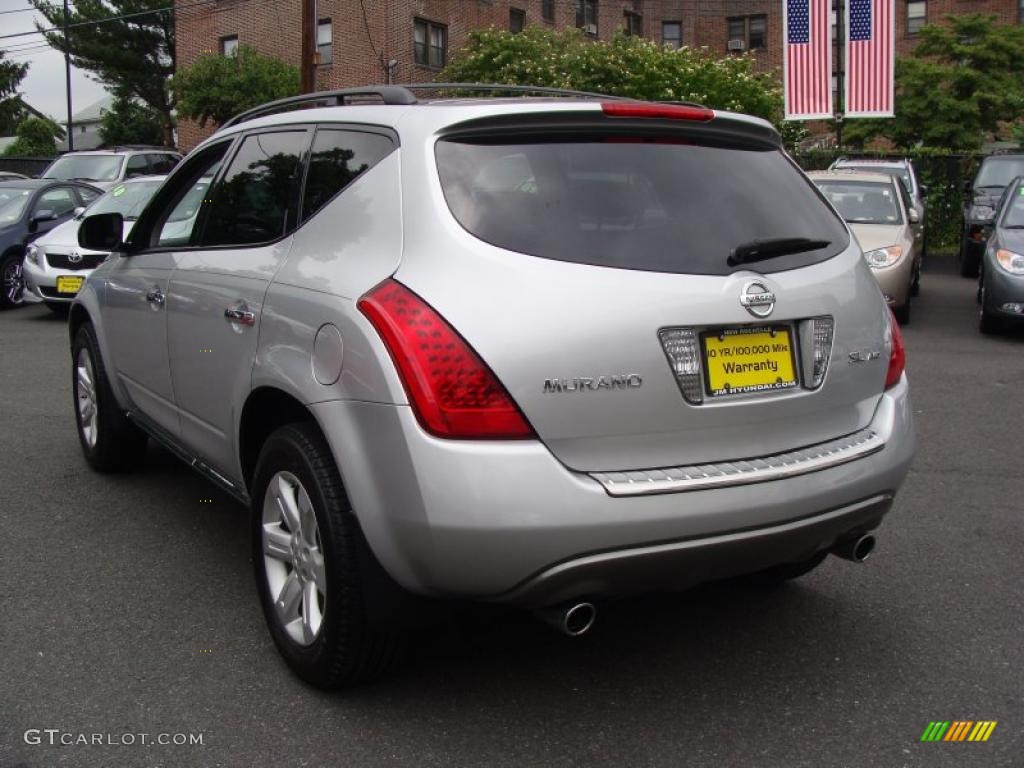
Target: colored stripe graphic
[[958, 730]]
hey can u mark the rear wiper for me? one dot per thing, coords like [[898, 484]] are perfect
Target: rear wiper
[[760, 250]]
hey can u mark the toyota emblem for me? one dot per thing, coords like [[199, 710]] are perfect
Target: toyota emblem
[[75, 257], [757, 299]]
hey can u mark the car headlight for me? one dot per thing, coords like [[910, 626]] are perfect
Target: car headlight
[[883, 257], [33, 254], [1010, 261]]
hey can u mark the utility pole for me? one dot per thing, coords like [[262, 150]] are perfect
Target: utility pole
[[308, 65], [67, 78], [840, 73]]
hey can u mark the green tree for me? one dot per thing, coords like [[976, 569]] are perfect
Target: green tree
[[133, 56], [11, 107], [624, 66], [964, 81], [36, 137], [128, 122], [216, 88]]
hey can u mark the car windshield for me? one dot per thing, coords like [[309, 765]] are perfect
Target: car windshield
[[634, 202], [863, 202], [12, 203], [1014, 216], [126, 199], [86, 168], [190, 203], [897, 173], [999, 171]]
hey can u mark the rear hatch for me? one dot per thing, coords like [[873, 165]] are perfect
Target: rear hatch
[[652, 292]]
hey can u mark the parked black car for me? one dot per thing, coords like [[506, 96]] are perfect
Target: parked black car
[[983, 197], [29, 208], [1001, 283]]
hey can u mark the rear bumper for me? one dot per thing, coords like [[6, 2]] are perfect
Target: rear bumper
[[506, 521]]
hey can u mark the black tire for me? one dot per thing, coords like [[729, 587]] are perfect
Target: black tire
[[12, 284], [988, 323], [349, 646], [780, 574], [118, 444], [969, 265], [915, 285], [59, 308], [902, 314]]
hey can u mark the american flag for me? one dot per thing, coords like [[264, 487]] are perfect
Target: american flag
[[807, 68], [869, 58]]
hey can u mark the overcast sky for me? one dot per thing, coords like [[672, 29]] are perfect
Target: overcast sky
[[43, 86]]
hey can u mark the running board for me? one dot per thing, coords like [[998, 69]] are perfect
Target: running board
[[204, 469]]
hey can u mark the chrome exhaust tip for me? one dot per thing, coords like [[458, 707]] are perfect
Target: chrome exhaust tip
[[856, 549], [572, 619]]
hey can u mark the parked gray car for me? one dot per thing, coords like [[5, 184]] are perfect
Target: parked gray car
[[1001, 278], [533, 351], [104, 168]]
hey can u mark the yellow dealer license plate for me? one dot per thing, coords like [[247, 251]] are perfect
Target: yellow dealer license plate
[[743, 360], [70, 285]]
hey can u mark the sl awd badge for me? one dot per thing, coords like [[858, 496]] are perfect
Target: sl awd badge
[[757, 299]]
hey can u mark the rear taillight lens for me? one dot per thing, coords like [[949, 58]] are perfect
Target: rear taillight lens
[[897, 353], [453, 393], [649, 109]]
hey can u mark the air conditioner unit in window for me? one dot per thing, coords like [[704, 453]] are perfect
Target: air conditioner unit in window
[[591, 29], [737, 45]]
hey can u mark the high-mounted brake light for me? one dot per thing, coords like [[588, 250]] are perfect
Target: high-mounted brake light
[[897, 353], [453, 392], [646, 109]]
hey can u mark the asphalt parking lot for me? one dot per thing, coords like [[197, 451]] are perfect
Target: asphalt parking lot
[[128, 608]]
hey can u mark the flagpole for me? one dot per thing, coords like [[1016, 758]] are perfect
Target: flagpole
[[840, 73]]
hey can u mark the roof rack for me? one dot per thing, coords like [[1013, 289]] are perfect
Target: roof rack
[[402, 95]]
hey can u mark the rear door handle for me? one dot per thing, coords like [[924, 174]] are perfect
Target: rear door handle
[[240, 316], [156, 297]]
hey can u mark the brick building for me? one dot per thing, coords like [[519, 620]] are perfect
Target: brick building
[[370, 41]]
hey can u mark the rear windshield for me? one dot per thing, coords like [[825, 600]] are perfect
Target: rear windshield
[[860, 202], [636, 203]]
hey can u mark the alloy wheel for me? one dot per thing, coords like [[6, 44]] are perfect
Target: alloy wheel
[[293, 558], [12, 284], [88, 412]]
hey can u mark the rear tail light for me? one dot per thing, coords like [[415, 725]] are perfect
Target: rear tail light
[[681, 347], [821, 333], [897, 353], [647, 109], [453, 393]]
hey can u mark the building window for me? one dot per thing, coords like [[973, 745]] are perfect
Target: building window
[[749, 30], [634, 23], [917, 13], [516, 20], [672, 33], [547, 9], [229, 45], [430, 43], [586, 16], [324, 41]]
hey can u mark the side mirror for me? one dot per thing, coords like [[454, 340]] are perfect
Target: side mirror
[[79, 211], [101, 232], [40, 217], [913, 216]]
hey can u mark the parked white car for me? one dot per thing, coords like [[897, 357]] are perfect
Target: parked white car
[[55, 265]]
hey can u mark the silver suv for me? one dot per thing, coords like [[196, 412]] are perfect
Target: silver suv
[[535, 351]]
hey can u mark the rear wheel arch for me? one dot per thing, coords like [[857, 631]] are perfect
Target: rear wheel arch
[[266, 409]]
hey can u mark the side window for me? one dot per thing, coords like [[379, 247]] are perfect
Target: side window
[[338, 159], [256, 201], [169, 221], [60, 200], [162, 164], [137, 166], [87, 195]]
